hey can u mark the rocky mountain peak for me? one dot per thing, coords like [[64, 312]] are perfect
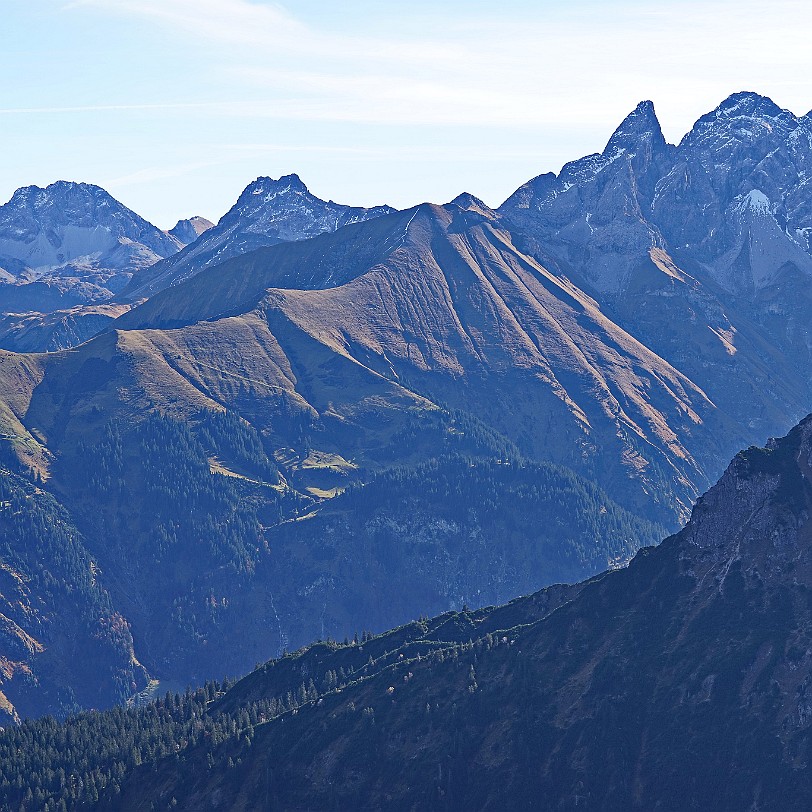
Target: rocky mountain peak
[[538, 188], [274, 186], [80, 205], [639, 138], [79, 234], [756, 518], [741, 119], [640, 127], [747, 103], [284, 184], [61, 201], [269, 202], [267, 212], [469, 202], [187, 231], [265, 195]]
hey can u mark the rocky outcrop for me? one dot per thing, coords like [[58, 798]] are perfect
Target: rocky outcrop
[[699, 250], [73, 242], [267, 212], [187, 231]]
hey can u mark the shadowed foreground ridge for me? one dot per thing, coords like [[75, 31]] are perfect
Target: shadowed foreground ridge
[[679, 682]]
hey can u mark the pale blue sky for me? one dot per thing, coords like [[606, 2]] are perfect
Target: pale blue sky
[[175, 105]]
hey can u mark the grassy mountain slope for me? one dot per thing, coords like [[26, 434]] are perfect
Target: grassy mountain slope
[[341, 357], [439, 301], [328, 353]]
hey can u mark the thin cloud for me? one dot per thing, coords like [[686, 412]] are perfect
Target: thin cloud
[[272, 27], [101, 108], [537, 67], [234, 21], [424, 153], [153, 173], [367, 83]]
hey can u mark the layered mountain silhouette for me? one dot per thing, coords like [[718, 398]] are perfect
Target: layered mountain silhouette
[[334, 401], [433, 306], [83, 248], [267, 212], [675, 683], [208, 430], [678, 682], [437, 303]]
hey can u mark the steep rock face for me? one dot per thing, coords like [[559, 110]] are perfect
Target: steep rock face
[[700, 250], [74, 240], [187, 231], [267, 212], [740, 173], [592, 216], [680, 681]]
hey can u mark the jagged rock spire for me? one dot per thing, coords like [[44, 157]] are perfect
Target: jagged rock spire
[[640, 126]]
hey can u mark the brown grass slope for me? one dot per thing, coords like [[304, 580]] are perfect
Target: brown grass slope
[[439, 301], [433, 305]]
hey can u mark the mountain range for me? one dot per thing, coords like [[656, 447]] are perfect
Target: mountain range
[[267, 212], [268, 435], [70, 247], [699, 250]]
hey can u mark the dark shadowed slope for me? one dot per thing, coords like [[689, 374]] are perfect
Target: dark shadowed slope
[[64, 646], [677, 683], [680, 682], [204, 547]]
